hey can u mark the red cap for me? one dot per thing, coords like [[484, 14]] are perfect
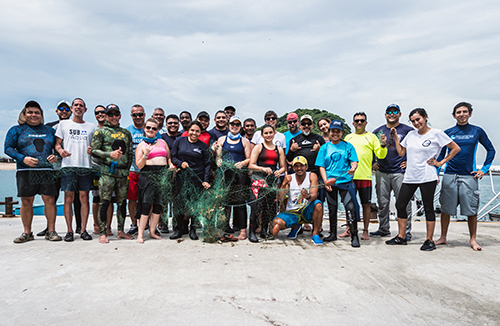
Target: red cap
[[292, 116]]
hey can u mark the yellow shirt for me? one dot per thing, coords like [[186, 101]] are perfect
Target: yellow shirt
[[365, 145]]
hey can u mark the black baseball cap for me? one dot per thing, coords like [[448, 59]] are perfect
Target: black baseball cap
[[203, 114], [112, 107]]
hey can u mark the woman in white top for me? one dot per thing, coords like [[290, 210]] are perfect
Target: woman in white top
[[422, 146]]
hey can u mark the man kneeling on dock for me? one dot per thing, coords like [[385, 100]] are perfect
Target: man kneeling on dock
[[303, 205]]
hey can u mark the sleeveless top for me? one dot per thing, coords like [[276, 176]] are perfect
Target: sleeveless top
[[268, 158], [235, 152], [158, 151], [294, 193]]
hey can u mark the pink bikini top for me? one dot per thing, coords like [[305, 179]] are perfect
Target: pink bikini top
[[158, 151]]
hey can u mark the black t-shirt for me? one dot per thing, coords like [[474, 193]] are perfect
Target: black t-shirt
[[217, 133], [170, 139], [195, 154], [306, 143]]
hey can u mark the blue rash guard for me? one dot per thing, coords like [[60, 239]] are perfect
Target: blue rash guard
[[467, 137], [33, 141]]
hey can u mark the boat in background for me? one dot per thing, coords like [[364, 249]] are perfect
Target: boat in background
[[39, 210]]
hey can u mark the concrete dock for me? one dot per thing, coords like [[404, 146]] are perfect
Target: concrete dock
[[279, 282]]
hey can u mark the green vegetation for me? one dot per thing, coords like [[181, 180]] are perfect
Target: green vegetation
[[316, 114]]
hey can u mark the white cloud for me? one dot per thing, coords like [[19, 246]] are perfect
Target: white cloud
[[260, 55]]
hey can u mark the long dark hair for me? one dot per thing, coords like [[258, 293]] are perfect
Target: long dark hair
[[195, 122]]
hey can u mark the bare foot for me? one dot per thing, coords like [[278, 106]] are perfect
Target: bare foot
[[96, 229], [123, 235], [140, 240], [154, 236], [365, 236], [307, 227], [103, 239], [475, 246], [443, 241], [345, 234], [109, 233], [243, 234]]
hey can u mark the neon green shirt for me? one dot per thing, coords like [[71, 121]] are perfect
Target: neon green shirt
[[365, 145]]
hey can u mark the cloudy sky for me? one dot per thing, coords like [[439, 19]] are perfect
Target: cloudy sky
[[341, 56]]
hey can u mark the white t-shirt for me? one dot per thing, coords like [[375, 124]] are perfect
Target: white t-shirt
[[278, 140], [76, 138], [419, 149]]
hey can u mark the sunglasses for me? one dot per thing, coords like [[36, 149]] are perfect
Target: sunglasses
[[305, 123], [360, 120], [135, 115], [113, 114], [172, 123], [270, 118], [149, 128], [235, 124], [249, 126], [392, 112], [292, 122], [100, 112], [64, 109]]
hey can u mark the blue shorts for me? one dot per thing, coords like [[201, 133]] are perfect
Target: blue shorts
[[73, 179], [300, 215]]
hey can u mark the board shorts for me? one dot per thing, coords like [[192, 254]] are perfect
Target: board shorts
[[300, 215], [364, 189], [460, 190], [73, 179], [133, 185], [28, 187]]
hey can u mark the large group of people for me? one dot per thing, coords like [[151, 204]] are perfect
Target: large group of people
[[285, 178]]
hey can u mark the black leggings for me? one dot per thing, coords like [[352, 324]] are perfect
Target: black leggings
[[238, 184], [406, 193]]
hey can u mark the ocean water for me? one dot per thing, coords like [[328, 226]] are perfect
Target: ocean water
[[8, 189]]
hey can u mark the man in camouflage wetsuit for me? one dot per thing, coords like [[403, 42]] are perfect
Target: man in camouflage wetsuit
[[113, 145]]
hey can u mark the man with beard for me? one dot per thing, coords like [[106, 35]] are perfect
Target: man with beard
[[270, 118], [76, 172], [306, 144], [137, 130], [172, 130], [367, 146], [390, 171], [302, 205], [248, 130], [204, 119], [221, 122], [113, 145], [63, 111], [292, 120], [159, 115]]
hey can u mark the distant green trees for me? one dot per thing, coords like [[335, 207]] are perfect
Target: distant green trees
[[316, 114]]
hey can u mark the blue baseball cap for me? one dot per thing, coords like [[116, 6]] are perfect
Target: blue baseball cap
[[337, 124], [393, 106]]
